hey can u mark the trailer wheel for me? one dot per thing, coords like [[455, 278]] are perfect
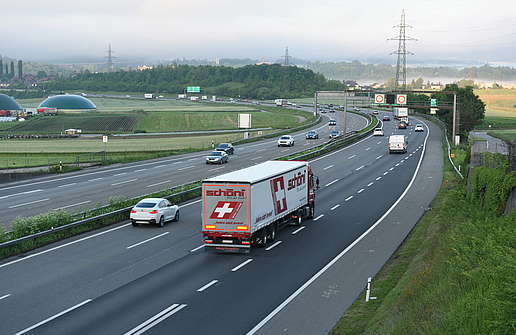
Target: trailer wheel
[[311, 212], [262, 239], [299, 218], [272, 232]]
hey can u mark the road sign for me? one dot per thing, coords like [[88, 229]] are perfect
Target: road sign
[[193, 89], [401, 99], [433, 102], [379, 98]]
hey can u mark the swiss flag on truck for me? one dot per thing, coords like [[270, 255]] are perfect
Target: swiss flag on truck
[[226, 210], [279, 195]]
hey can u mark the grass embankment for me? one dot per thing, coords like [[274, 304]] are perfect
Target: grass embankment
[[455, 272]]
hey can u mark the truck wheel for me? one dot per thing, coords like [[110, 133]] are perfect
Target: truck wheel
[[262, 239], [311, 212], [299, 218], [272, 232]]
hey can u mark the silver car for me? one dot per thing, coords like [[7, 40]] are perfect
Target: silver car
[[286, 140], [217, 157], [154, 211]]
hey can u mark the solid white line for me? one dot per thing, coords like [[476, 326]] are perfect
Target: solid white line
[[147, 240], [298, 230], [332, 182], [213, 282], [241, 265], [163, 182], [187, 167], [335, 207], [124, 182], [5, 296], [29, 203], [67, 185], [77, 204], [339, 256], [62, 246], [273, 245], [53, 317], [143, 327]]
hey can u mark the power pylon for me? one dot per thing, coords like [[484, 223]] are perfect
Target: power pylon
[[401, 65], [286, 73], [110, 62]]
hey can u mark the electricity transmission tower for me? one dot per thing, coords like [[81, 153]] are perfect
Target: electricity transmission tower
[[286, 74], [401, 65], [110, 57]]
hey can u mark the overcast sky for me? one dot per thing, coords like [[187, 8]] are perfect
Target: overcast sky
[[325, 30]]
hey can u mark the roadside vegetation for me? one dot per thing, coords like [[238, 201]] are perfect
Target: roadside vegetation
[[455, 272]]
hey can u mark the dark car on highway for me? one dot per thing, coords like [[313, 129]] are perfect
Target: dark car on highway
[[226, 147]]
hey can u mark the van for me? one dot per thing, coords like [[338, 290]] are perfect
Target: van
[[398, 143]]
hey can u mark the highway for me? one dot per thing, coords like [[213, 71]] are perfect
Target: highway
[[127, 280]]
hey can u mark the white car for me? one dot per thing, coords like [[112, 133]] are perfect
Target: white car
[[286, 140], [419, 127], [378, 132], [154, 211]]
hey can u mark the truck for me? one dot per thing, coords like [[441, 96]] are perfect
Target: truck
[[281, 102], [397, 143], [246, 207], [400, 112], [149, 96]]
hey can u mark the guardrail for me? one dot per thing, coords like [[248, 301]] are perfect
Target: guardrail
[[122, 214]]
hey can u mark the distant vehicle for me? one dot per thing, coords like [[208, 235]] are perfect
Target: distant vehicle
[[281, 102], [356, 109], [419, 127], [332, 123], [334, 133], [323, 110], [378, 132], [217, 157], [149, 96], [312, 134], [402, 125], [398, 143], [386, 118], [400, 112], [332, 110], [154, 211], [286, 140], [375, 112], [330, 105], [226, 147]]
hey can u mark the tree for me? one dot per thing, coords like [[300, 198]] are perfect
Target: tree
[[471, 108], [12, 70], [20, 71]]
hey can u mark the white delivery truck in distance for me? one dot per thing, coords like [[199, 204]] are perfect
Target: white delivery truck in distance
[[248, 206], [400, 112], [149, 96], [398, 143]]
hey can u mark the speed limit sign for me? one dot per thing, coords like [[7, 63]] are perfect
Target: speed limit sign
[[379, 98], [402, 99]]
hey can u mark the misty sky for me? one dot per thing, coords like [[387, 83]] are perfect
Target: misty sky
[[325, 30]]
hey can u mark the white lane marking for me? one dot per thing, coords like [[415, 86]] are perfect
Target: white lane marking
[[328, 167], [385, 173], [256, 158], [273, 245], [392, 168], [215, 169], [320, 216], [213, 282], [124, 182], [67, 185], [159, 166], [77, 204], [187, 167], [29, 203], [371, 183], [335, 207], [332, 182], [143, 327], [195, 249], [298, 230], [285, 150], [5, 296], [261, 150], [353, 156], [120, 174], [53, 317], [359, 168], [140, 170], [22, 193], [368, 149], [242, 265], [95, 179], [348, 198], [192, 159], [62, 246], [379, 157], [163, 182], [378, 178], [360, 191], [147, 240]]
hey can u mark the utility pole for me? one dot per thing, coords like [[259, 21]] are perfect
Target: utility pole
[[401, 65]]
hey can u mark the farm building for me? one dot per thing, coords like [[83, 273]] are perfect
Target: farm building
[[68, 103], [9, 104]]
